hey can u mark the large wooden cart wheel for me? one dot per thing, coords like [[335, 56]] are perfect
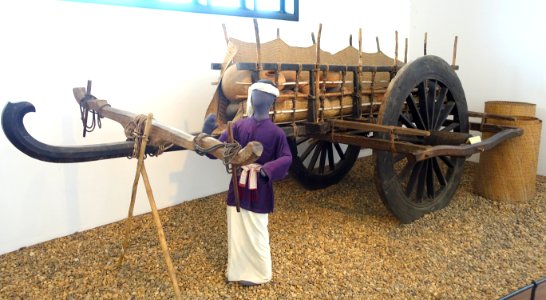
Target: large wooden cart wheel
[[318, 164], [425, 94]]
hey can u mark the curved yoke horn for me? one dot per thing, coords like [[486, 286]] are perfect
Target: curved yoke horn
[[14, 128]]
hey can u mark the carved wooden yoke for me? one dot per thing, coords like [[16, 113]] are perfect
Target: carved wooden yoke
[[161, 134]]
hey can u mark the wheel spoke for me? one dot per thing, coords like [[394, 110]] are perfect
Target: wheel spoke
[[447, 161], [414, 112], [314, 158], [450, 127], [331, 162], [302, 140], [399, 156], [430, 180], [421, 91], [307, 151], [413, 178], [446, 110], [438, 172], [407, 168], [421, 182], [437, 122], [339, 151], [322, 161], [443, 93], [406, 121], [431, 95]]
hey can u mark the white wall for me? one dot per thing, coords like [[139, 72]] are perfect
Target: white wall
[[139, 60], [500, 51]]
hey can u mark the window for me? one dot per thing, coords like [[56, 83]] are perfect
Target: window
[[269, 9]]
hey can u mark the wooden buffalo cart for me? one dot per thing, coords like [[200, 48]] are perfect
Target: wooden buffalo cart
[[413, 116]]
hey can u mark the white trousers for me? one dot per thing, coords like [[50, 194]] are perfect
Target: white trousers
[[249, 254]]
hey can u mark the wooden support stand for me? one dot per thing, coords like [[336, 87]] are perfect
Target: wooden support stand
[[141, 171]]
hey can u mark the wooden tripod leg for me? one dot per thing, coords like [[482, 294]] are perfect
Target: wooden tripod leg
[[129, 221], [140, 164], [141, 170], [160, 233]]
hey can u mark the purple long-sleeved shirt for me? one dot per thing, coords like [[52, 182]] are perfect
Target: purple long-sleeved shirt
[[275, 160]]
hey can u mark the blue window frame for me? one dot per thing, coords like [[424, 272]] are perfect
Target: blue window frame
[[269, 9]]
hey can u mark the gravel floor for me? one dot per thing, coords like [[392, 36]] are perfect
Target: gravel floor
[[340, 242]]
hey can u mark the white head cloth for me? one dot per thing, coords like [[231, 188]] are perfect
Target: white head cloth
[[260, 86]]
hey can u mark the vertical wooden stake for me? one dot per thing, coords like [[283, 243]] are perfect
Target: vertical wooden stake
[[454, 51], [396, 48], [357, 92], [317, 46], [377, 42], [317, 76], [406, 51], [225, 33], [360, 48], [258, 48], [425, 44]]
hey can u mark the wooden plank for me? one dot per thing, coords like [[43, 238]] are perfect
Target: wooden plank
[[375, 143]]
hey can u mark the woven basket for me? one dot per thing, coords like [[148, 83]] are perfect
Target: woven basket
[[510, 108], [508, 171]]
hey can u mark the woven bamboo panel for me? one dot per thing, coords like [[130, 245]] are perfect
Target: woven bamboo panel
[[508, 171], [235, 83], [278, 51], [229, 100]]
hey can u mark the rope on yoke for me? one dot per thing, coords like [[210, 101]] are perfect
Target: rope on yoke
[[84, 111], [161, 148], [230, 150], [90, 125], [134, 131]]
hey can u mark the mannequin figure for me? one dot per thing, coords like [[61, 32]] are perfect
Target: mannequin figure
[[249, 254]]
